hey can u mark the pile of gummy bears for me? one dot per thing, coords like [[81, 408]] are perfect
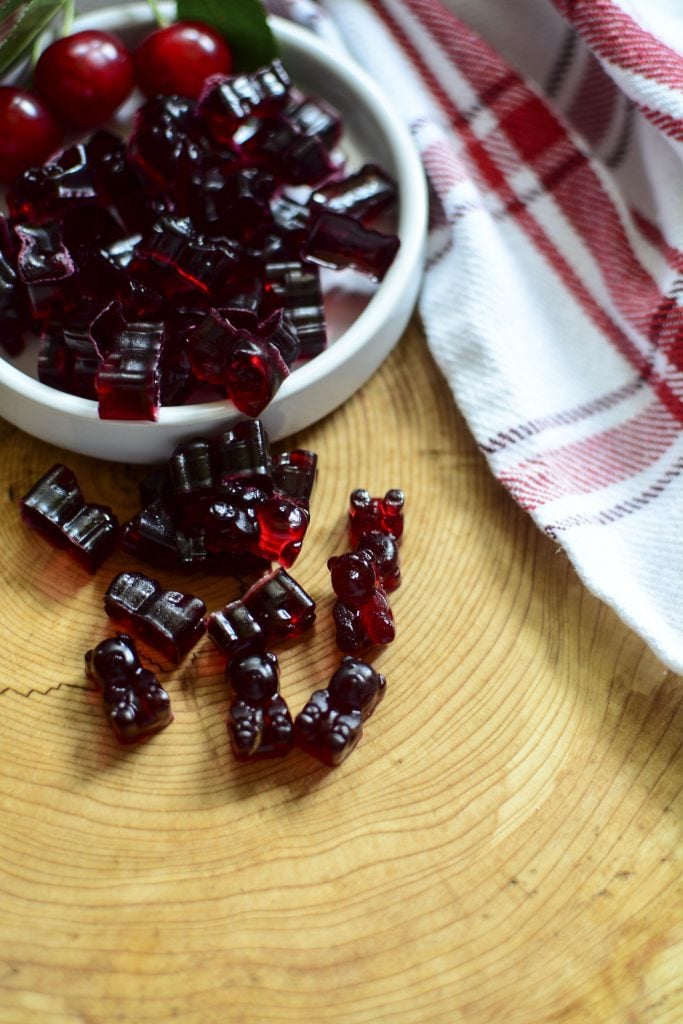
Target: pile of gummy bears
[[176, 266], [229, 506]]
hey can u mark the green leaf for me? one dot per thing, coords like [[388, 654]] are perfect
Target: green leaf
[[33, 17], [243, 25]]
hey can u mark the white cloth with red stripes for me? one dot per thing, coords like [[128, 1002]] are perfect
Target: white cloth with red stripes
[[552, 135]]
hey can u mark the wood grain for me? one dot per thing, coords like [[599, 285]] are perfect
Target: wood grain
[[502, 846]]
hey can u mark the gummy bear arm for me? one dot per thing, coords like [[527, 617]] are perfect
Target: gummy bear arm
[[276, 705], [313, 712]]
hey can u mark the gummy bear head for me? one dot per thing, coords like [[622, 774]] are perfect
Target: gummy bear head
[[254, 677], [114, 661], [355, 686], [354, 577]]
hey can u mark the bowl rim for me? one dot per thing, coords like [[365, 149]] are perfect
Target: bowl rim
[[411, 228]]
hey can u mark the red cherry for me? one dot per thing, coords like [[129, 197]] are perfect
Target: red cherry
[[84, 78], [28, 132], [178, 59]]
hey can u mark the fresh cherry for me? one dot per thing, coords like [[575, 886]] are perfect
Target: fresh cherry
[[28, 132], [179, 58], [83, 78]]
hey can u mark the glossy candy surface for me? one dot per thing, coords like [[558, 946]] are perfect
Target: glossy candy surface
[[280, 605], [384, 551], [361, 613], [128, 378], [168, 619], [135, 703], [55, 507], [363, 194], [296, 287], [234, 630], [295, 474], [228, 102], [191, 227], [337, 240], [259, 722], [330, 725], [383, 514], [225, 505]]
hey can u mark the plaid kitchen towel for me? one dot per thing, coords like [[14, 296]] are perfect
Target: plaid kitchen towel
[[552, 136]]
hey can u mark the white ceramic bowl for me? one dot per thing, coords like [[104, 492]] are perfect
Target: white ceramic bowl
[[364, 322]]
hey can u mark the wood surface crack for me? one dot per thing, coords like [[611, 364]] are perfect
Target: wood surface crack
[[33, 692]]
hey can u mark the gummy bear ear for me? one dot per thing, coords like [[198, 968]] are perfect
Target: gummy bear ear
[[271, 657], [360, 498], [395, 498], [331, 562]]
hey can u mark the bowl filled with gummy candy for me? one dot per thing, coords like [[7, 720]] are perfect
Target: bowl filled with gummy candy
[[252, 251]]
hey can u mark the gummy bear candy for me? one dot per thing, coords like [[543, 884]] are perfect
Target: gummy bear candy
[[330, 725], [135, 703], [296, 287], [259, 722], [384, 551], [363, 194], [169, 620], [43, 193], [384, 514], [361, 612], [282, 523], [295, 473], [288, 152], [128, 379], [314, 117], [280, 605], [227, 101], [156, 538], [13, 311], [234, 630], [176, 259], [250, 364], [46, 267], [337, 240], [56, 508]]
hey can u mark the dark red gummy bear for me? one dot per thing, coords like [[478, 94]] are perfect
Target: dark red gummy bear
[[128, 379], [383, 514], [46, 268], [135, 703], [234, 631], [283, 523], [169, 620], [203, 472], [296, 287], [259, 722], [56, 508], [176, 259], [337, 240], [384, 551], [155, 538], [361, 612], [280, 605], [250, 364], [295, 473], [226, 102], [331, 723]]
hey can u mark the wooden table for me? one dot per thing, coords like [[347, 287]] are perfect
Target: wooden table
[[501, 847]]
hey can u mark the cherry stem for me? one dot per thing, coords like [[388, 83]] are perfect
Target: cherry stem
[[161, 21], [68, 20]]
